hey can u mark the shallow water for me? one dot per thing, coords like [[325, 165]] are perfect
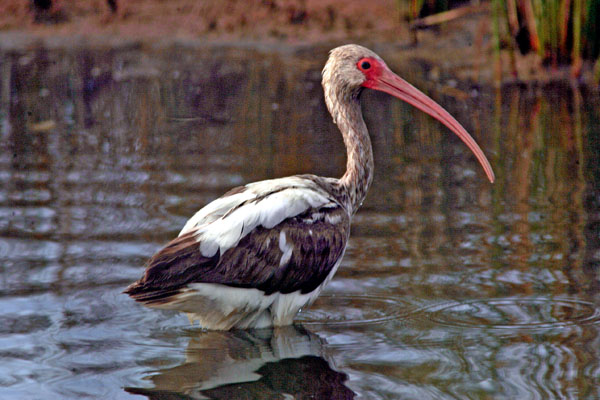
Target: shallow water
[[451, 287]]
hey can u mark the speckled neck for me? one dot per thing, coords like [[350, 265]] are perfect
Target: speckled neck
[[347, 114]]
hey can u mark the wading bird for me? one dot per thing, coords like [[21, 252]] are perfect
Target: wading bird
[[255, 256]]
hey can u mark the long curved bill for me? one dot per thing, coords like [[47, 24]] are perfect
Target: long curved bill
[[391, 83]]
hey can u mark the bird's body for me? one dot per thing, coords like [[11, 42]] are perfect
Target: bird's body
[[257, 255], [253, 257]]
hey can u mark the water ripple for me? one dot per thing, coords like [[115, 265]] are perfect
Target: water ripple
[[513, 312], [353, 310]]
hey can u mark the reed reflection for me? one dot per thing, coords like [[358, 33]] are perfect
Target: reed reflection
[[105, 154], [117, 146]]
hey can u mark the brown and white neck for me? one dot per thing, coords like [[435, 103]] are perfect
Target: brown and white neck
[[356, 181]]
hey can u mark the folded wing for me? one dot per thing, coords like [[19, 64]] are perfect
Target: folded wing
[[282, 240]]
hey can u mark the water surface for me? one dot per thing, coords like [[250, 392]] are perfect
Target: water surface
[[451, 287]]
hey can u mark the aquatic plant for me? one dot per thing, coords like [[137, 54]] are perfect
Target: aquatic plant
[[560, 31]]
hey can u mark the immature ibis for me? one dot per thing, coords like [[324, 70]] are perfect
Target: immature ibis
[[257, 255]]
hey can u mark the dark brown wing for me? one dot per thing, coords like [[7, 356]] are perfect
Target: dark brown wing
[[316, 240], [177, 264], [311, 245]]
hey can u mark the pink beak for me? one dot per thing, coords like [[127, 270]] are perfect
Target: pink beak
[[391, 83]]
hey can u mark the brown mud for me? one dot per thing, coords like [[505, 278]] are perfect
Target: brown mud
[[461, 48]]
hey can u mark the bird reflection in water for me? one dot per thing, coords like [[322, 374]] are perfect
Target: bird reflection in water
[[285, 362]]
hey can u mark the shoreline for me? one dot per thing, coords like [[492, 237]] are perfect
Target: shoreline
[[458, 50]]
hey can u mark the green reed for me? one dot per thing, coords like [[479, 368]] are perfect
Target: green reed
[[560, 31]]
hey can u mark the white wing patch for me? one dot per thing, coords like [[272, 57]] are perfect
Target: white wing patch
[[286, 248], [333, 219], [223, 223], [215, 210]]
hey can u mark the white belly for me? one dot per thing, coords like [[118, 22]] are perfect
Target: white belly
[[221, 307]]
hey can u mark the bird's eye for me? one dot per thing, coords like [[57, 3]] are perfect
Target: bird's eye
[[365, 65]]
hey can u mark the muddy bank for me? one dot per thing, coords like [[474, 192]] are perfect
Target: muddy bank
[[271, 20], [460, 50]]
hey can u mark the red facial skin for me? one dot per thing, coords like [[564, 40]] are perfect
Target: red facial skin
[[379, 77]]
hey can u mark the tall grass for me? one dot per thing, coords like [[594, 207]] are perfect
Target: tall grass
[[560, 31]]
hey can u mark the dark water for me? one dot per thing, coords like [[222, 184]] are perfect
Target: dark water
[[451, 287]]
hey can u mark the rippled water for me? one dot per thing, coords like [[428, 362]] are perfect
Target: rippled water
[[451, 287]]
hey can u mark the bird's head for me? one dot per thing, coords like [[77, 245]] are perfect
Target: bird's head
[[350, 68]]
